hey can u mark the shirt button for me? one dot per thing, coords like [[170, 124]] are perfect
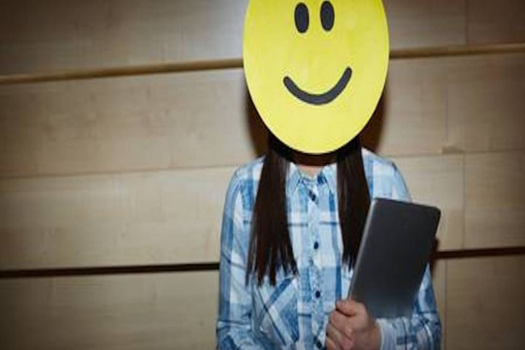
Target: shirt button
[[317, 294], [316, 245], [318, 344], [312, 196]]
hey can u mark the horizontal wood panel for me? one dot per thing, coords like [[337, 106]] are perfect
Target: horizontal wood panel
[[439, 181], [151, 311], [65, 34], [159, 311], [126, 219], [157, 122], [160, 217], [204, 119], [411, 117], [495, 200], [174, 216], [492, 21], [485, 102], [57, 35], [187, 120], [424, 23], [485, 304]]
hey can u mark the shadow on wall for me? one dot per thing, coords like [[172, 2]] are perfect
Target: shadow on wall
[[256, 128], [371, 134]]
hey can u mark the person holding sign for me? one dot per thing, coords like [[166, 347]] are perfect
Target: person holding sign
[[293, 220]]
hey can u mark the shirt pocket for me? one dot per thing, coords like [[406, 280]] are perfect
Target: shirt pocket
[[276, 311]]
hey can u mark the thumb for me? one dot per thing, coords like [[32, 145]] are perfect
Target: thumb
[[347, 307]]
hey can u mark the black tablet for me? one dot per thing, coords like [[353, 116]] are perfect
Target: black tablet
[[397, 242]]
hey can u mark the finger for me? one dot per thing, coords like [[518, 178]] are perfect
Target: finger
[[361, 318], [334, 336], [359, 307], [341, 323], [331, 345], [348, 307], [348, 344], [340, 340], [338, 320], [354, 308]]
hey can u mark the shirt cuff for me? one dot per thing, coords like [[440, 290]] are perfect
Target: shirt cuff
[[388, 335]]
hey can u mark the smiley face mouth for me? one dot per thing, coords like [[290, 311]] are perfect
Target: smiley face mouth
[[319, 99]]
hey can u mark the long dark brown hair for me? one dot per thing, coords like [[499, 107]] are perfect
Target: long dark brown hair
[[270, 245]]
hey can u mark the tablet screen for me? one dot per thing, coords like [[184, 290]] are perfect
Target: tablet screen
[[398, 239]]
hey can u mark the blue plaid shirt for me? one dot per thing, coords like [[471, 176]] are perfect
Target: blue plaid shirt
[[294, 313]]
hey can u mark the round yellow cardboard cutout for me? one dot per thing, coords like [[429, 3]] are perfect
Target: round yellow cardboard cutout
[[315, 69]]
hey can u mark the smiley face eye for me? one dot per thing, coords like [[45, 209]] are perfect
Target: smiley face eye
[[327, 16], [302, 18]]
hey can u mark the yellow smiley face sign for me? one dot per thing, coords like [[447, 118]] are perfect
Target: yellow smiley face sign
[[315, 69]]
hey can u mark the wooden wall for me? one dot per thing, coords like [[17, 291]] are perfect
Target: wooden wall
[[101, 178]]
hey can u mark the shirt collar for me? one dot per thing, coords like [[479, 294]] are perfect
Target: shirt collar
[[327, 174]]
